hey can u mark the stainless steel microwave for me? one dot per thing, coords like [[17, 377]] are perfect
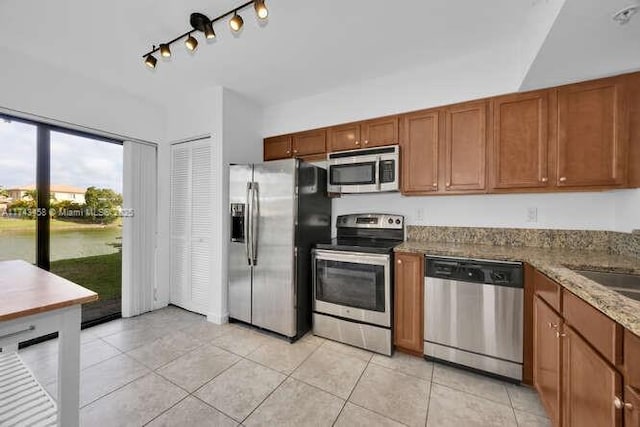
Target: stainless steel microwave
[[368, 170]]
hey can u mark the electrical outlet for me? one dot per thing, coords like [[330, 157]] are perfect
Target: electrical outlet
[[532, 214], [420, 214]]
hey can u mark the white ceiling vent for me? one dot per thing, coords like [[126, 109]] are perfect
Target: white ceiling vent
[[624, 16]]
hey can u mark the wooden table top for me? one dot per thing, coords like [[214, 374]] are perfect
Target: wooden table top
[[26, 289]]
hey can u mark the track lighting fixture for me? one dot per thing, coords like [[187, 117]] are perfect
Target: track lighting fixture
[[150, 61], [208, 31], [236, 22], [261, 9], [191, 43], [200, 22], [165, 50]]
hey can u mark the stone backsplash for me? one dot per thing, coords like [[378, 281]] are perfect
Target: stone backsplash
[[593, 240]]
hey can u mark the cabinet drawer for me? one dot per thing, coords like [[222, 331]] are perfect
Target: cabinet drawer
[[632, 360], [548, 290], [602, 333]]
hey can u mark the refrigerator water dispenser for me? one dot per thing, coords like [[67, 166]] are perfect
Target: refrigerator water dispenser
[[237, 222]]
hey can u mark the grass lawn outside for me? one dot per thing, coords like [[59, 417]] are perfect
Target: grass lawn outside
[[102, 274], [19, 224]]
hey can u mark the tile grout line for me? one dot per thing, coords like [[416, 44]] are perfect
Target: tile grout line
[[352, 390], [433, 368], [282, 382]]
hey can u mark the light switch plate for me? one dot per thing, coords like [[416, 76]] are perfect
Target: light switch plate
[[532, 214]]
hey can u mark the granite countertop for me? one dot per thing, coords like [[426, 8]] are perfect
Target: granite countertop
[[557, 264]]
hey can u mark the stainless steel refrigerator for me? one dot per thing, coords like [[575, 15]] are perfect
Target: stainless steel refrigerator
[[278, 211]]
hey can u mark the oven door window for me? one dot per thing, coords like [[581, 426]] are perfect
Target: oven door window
[[350, 284], [353, 174]]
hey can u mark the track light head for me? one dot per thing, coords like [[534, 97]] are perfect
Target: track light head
[[165, 50], [191, 43], [208, 31], [150, 61], [236, 22], [261, 9]]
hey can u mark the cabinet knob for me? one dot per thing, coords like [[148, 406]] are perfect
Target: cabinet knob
[[563, 178], [295, 151], [434, 185], [545, 179], [357, 142], [366, 141], [552, 325], [288, 152], [399, 261], [620, 404], [560, 334], [448, 184]]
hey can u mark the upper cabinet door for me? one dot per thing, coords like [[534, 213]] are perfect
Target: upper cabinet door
[[419, 152], [591, 134], [346, 137], [380, 132], [465, 147], [520, 141], [310, 143], [277, 147]]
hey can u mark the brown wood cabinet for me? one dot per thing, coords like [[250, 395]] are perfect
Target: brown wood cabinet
[[345, 137], [408, 334], [633, 104], [590, 385], [465, 147], [547, 357], [309, 145], [520, 145], [592, 127], [277, 147], [419, 145], [631, 407], [369, 133]]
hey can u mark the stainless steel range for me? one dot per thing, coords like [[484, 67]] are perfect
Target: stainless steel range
[[353, 281]]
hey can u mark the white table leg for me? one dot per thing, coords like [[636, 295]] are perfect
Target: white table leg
[[69, 367]]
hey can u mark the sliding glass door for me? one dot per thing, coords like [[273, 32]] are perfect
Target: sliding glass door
[[18, 142], [76, 231], [86, 226]]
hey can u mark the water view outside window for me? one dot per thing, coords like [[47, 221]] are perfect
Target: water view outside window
[[85, 204], [86, 227], [17, 191]]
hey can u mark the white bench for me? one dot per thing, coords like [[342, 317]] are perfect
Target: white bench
[[23, 401]]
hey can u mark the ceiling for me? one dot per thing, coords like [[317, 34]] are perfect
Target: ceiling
[[306, 47], [585, 43]]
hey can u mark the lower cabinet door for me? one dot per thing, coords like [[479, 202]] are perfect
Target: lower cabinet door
[[546, 357], [408, 332], [631, 407], [590, 385]]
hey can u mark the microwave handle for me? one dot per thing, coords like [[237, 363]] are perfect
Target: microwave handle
[[378, 180]]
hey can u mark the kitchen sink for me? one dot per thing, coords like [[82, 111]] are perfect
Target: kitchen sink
[[623, 283]]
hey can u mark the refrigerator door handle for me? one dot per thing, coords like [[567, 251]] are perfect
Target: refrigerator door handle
[[255, 222], [248, 241]]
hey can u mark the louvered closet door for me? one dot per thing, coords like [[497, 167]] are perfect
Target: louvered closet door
[[202, 219], [193, 192], [180, 222]]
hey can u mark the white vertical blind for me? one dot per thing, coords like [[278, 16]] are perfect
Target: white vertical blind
[[139, 228], [193, 192]]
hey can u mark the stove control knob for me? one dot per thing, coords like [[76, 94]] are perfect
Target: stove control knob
[[390, 221], [398, 221]]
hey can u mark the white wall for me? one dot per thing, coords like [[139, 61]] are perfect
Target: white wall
[[627, 210], [34, 87], [483, 74], [234, 124]]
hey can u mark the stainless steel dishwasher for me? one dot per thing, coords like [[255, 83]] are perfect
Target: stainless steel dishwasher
[[473, 314]]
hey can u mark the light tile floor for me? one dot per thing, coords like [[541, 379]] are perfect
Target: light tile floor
[[172, 368]]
